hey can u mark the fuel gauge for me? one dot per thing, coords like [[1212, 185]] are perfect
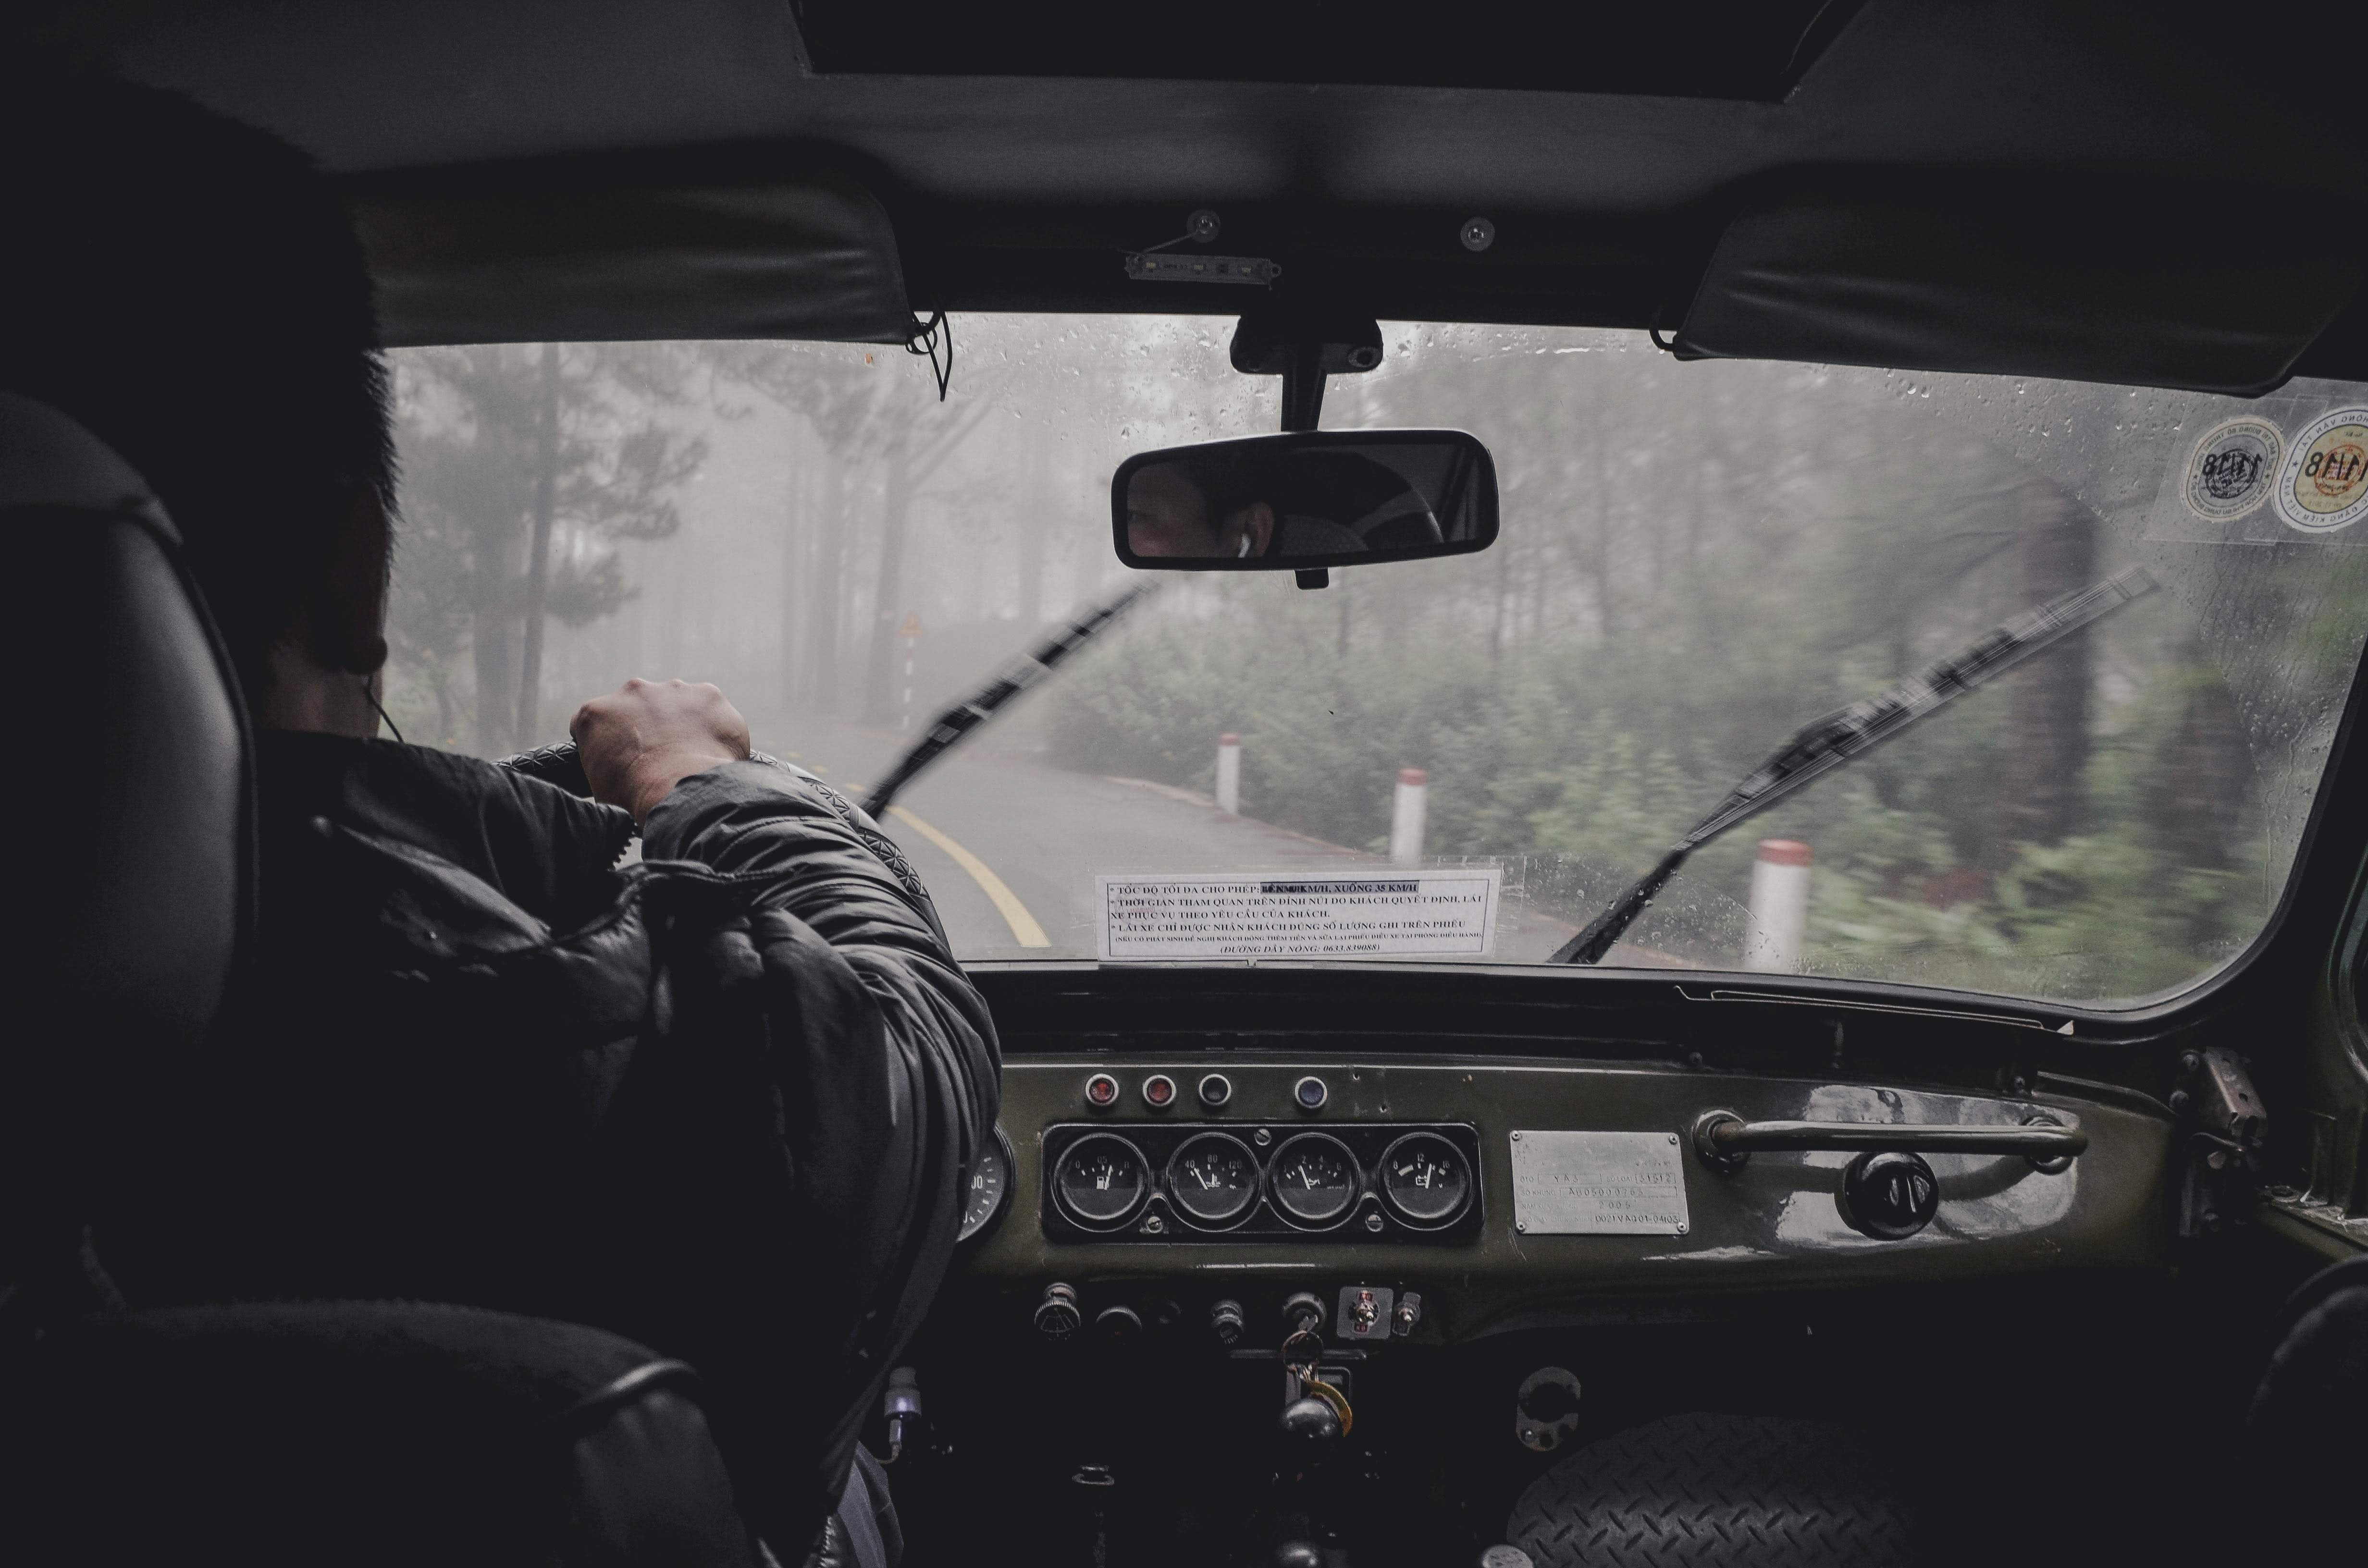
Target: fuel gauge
[[1102, 1180]]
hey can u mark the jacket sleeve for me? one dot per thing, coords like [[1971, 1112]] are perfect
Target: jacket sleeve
[[884, 1055]]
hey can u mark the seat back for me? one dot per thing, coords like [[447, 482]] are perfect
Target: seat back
[[132, 819]]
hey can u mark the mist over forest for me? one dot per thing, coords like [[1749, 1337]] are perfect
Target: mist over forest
[[1695, 560]]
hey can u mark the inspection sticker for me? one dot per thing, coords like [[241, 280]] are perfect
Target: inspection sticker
[[1300, 915], [2231, 470], [2323, 484]]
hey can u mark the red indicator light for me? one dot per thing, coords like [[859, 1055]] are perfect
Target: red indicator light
[[1158, 1090], [1101, 1089]]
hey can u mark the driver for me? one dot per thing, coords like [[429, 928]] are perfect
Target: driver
[[723, 1103]]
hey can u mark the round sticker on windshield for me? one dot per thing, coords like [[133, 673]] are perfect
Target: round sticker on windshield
[[2231, 468], [2323, 484]]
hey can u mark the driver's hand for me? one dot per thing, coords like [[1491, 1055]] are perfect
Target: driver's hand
[[639, 743]]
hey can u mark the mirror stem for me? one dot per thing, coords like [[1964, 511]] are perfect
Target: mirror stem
[[1302, 387]]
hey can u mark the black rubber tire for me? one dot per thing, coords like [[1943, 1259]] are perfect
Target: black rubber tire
[[1708, 1491]]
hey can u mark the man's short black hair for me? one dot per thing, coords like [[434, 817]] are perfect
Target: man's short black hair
[[189, 289]]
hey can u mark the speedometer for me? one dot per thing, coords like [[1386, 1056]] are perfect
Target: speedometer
[[1314, 1178], [1214, 1178], [990, 1188], [1102, 1180]]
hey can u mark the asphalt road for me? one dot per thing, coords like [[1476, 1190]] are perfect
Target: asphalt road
[[1010, 848]]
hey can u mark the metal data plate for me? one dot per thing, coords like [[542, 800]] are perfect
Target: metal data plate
[[1598, 1184]]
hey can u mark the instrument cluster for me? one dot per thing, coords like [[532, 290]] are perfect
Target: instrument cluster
[[1350, 1182]]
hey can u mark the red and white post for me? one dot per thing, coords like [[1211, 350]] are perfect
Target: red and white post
[[1229, 775], [1780, 908], [1407, 814]]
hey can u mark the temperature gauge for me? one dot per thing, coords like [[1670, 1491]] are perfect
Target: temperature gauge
[[1212, 1178], [990, 1188], [1313, 1179], [1102, 1180], [1424, 1179]]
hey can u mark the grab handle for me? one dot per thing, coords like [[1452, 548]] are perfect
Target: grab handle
[[1724, 1139]]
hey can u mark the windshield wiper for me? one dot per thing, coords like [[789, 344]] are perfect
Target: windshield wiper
[[1820, 747], [963, 717]]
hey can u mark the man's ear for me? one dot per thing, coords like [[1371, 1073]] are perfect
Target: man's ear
[[1257, 527], [347, 619]]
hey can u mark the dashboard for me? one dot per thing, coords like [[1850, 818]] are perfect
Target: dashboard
[[1444, 1197]]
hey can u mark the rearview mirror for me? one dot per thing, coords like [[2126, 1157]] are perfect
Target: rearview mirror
[[1310, 499]]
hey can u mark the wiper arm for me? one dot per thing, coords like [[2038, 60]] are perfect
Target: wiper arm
[[1820, 747], [963, 717]]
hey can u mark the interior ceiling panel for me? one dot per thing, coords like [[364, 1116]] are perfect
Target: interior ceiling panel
[[1706, 49], [1609, 168]]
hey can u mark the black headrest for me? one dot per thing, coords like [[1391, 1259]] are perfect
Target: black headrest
[[129, 749]]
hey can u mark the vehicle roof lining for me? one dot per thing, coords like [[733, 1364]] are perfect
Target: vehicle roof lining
[[1022, 193]]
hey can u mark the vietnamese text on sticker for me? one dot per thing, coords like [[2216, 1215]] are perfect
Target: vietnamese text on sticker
[[1296, 914], [2232, 468], [2323, 484]]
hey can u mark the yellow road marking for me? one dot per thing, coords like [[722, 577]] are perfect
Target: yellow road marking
[[1024, 929]]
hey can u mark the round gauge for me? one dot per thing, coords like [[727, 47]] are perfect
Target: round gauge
[[1424, 1179], [1212, 1178], [990, 1188], [1102, 1180], [1314, 1178]]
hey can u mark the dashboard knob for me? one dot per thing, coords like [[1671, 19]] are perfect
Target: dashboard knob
[[1118, 1325], [1889, 1196], [1056, 1315], [1226, 1322], [1299, 1554], [1310, 1420]]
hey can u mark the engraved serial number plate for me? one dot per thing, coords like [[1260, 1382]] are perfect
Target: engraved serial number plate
[[1598, 1184]]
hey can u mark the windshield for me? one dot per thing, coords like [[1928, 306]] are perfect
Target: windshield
[[1449, 760]]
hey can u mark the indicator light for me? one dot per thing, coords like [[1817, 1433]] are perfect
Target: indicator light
[[1101, 1091]]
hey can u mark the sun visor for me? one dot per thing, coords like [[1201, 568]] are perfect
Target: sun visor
[[2141, 282], [811, 258]]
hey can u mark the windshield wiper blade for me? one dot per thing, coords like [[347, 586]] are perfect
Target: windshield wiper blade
[[1819, 748], [959, 720]]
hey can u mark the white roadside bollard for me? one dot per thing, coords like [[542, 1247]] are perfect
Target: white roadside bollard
[[1406, 813], [1229, 775], [1780, 908]]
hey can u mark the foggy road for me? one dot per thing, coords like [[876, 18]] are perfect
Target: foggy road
[[1010, 848]]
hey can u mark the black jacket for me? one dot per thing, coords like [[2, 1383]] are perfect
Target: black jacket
[[723, 1101]]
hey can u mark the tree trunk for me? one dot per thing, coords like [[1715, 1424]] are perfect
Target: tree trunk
[[538, 555], [795, 568], [1034, 504], [823, 591], [1602, 485], [2040, 792], [490, 640], [888, 593]]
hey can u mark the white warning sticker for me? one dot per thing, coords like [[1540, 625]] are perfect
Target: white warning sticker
[[1300, 915]]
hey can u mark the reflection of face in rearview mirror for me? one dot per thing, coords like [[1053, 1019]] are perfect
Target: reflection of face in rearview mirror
[[1171, 515], [1317, 498]]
